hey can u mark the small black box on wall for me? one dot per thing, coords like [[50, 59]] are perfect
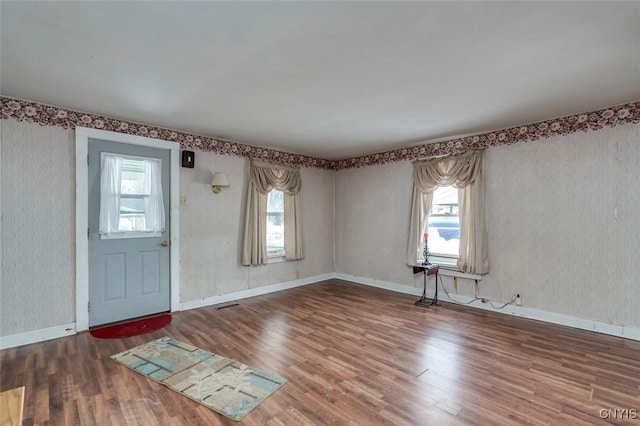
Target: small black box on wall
[[188, 159]]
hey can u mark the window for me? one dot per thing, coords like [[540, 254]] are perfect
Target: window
[[275, 224], [274, 192], [435, 209], [131, 202], [444, 223]]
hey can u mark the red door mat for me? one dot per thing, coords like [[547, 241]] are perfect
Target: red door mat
[[132, 328]]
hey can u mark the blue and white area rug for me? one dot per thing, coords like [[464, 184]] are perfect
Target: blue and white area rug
[[224, 385]]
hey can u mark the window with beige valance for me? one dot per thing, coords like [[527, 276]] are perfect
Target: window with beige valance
[[264, 177], [465, 173]]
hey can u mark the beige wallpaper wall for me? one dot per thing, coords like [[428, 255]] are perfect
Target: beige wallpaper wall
[[564, 221], [37, 286], [38, 229], [372, 222], [212, 225], [563, 224]]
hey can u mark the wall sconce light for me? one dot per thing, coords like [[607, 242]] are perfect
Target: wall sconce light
[[219, 181]]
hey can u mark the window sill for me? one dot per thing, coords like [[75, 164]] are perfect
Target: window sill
[[445, 262], [449, 268], [452, 271], [276, 259], [130, 234]]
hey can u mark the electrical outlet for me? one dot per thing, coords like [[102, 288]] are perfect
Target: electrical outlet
[[518, 300], [183, 200]]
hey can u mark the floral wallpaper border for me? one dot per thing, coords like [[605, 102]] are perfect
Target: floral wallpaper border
[[47, 115], [608, 117]]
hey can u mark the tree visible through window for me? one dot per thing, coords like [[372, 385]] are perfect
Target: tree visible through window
[[444, 223], [275, 223]]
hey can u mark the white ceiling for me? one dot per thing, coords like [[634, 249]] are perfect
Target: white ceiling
[[326, 79]]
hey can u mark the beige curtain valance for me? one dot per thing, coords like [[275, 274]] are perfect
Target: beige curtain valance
[[266, 176], [457, 171]]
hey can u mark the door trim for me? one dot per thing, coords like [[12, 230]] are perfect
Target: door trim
[[82, 214]]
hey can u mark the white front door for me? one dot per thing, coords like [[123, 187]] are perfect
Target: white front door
[[129, 265]]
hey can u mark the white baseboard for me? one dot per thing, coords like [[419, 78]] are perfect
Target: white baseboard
[[63, 330], [398, 288], [530, 313], [258, 291], [40, 335], [631, 333]]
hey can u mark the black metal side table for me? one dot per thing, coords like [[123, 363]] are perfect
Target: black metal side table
[[427, 270]]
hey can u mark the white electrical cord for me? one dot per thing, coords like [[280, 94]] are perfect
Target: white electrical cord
[[513, 298]]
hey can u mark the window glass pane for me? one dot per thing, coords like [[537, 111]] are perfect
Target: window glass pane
[[275, 201], [132, 208], [275, 223], [131, 214], [130, 196], [444, 224], [132, 177], [131, 205], [131, 222]]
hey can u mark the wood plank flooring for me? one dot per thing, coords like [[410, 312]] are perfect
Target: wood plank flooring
[[352, 355]]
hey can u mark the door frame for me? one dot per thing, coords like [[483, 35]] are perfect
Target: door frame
[[83, 134]]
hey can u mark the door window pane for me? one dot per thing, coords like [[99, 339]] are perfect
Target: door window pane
[[131, 198]]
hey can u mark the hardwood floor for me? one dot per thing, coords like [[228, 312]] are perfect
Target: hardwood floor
[[352, 355]]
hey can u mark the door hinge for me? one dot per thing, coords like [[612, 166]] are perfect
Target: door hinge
[[88, 233], [87, 158], [88, 306]]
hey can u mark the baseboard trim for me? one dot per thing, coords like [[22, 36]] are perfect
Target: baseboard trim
[[631, 333], [387, 285], [252, 292], [50, 333], [40, 335]]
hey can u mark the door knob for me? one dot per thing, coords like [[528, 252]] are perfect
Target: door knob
[[165, 243]]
